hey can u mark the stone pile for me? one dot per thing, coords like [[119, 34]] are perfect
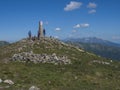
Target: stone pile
[[40, 58], [101, 62]]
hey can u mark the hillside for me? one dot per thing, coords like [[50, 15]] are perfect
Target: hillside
[[100, 47], [85, 71]]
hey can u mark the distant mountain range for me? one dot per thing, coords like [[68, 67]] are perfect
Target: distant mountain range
[[92, 40], [2, 43], [98, 46]]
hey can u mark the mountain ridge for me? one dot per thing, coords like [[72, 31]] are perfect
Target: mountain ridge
[[93, 40], [98, 46]]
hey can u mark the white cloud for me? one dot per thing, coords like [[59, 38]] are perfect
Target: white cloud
[[92, 11], [92, 5], [85, 25], [72, 6], [57, 29], [77, 26]]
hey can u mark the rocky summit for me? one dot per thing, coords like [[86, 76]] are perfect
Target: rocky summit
[[45, 50]]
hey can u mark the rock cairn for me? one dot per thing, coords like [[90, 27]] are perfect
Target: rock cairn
[[40, 58]]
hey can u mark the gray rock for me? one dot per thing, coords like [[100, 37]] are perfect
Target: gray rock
[[9, 82], [1, 80], [40, 58], [101, 62], [34, 88]]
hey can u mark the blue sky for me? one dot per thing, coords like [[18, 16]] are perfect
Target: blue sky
[[61, 18]]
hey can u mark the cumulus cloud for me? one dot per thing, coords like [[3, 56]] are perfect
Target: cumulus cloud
[[92, 11], [85, 25], [92, 5], [77, 26], [57, 29], [72, 6]]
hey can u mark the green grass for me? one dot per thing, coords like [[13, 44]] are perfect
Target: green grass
[[82, 74], [63, 77]]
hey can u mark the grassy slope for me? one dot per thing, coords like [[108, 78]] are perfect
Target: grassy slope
[[81, 75], [110, 52]]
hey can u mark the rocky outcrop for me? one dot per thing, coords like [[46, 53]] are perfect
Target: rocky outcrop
[[40, 58]]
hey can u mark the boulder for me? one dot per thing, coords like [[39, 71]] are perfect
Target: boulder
[[9, 82], [34, 88]]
